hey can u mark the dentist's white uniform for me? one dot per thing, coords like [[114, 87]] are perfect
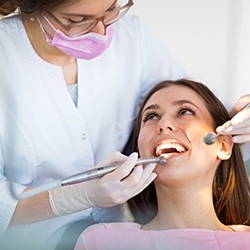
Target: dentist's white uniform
[[44, 136]]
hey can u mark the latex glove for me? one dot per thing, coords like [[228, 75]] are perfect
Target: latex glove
[[110, 190], [239, 125], [120, 185]]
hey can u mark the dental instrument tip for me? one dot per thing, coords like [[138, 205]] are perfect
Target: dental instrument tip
[[162, 160], [210, 138]]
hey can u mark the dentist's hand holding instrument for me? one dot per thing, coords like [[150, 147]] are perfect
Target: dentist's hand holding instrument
[[239, 125], [112, 189], [211, 137], [65, 197]]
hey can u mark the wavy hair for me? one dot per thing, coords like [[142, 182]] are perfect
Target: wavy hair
[[231, 187]]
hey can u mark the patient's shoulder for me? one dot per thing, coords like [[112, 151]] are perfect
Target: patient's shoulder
[[241, 228], [112, 226], [102, 235]]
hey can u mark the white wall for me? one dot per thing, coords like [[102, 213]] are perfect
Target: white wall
[[208, 37]]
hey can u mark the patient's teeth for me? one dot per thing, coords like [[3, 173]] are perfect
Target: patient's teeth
[[164, 148]]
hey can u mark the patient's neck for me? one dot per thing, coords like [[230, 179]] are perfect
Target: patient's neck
[[183, 208]]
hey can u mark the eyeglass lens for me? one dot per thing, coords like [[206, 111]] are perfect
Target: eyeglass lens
[[121, 8]]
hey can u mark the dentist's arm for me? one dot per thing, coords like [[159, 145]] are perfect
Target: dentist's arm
[[112, 189], [31, 210]]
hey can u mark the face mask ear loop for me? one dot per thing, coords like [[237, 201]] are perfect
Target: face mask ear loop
[[42, 28], [47, 20]]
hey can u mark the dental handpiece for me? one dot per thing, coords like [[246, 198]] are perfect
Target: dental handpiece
[[211, 137], [101, 171], [81, 177]]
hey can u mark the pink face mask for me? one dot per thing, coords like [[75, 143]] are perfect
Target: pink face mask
[[87, 46]]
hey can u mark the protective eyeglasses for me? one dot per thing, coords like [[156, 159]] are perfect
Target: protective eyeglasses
[[118, 10]]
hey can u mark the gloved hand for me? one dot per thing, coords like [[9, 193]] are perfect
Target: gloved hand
[[239, 125], [110, 190]]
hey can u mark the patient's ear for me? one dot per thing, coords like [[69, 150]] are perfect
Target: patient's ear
[[226, 145]]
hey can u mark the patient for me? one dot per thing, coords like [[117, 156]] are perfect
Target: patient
[[201, 198]]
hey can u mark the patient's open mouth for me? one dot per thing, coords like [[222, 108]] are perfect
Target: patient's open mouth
[[169, 148]]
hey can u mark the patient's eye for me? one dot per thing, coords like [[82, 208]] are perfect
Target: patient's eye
[[186, 110], [150, 115]]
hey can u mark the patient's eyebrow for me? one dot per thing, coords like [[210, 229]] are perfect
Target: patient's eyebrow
[[181, 102], [175, 103], [153, 106]]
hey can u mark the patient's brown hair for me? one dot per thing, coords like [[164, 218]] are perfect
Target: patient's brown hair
[[231, 188]]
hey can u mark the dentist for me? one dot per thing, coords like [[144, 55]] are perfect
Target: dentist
[[71, 78]]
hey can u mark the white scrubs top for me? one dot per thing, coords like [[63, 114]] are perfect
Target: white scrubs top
[[44, 136]]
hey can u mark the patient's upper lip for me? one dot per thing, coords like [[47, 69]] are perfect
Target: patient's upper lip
[[169, 146]]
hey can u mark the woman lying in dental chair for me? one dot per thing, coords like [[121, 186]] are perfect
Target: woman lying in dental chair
[[201, 198]]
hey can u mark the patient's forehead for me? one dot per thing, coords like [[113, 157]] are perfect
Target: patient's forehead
[[173, 93]]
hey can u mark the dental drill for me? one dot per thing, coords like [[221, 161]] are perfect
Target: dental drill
[[84, 176]]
